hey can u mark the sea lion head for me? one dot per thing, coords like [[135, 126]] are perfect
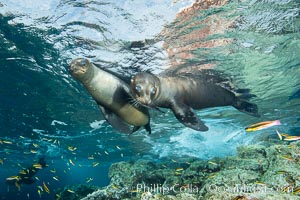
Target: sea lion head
[[80, 68], [145, 88]]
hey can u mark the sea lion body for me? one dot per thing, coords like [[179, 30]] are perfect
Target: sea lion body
[[112, 96], [26, 175], [183, 93]]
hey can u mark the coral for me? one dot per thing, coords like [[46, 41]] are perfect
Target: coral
[[75, 192], [256, 172]]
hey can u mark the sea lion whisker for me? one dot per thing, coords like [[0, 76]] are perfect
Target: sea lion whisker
[[135, 103]]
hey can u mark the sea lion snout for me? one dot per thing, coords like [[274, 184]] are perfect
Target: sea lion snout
[[78, 66]]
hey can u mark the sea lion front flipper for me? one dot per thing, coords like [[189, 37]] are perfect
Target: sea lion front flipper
[[188, 117], [147, 127], [115, 121]]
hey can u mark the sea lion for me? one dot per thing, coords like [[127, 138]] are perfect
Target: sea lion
[[183, 93], [26, 176], [112, 96]]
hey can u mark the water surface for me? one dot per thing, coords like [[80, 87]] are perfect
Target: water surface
[[254, 43]]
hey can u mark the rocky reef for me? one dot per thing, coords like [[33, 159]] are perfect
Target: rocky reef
[[256, 172]]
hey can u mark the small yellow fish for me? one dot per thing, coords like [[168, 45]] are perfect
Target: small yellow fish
[[188, 163], [284, 134], [89, 180], [71, 191], [95, 164], [70, 148], [6, 142], [287, 157], [40, 187], [33, 151], [1, 161], [282, 172], [13, 178], [239, 197], [46, 188], [22, 172], [22, 137], [18, 186], [296, 190], [262, 125], [53, 171], [37, 166], [55, 178], [37, 178], [279, 135], [71, 162], [179, 169], [213, 163], [173, 160], [177, 173], [114, 187], [35, 145], [212, 175], [260, 183], [40, 193], [91, 157]]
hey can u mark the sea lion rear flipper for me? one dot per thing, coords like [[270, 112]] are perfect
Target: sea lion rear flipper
[[147, 127], [188, 117], [247, 107], [115, 121]]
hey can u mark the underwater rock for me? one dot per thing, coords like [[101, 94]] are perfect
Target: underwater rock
[[75, 192], [256, 172]]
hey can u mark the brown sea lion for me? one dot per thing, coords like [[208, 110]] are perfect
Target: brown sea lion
[[183, 93], [112, 96]]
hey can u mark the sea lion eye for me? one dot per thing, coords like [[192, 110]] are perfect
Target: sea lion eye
[[138, 88], [83, 62], [153, 90]]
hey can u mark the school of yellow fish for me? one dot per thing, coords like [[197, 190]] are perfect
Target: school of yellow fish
[[44, 187]]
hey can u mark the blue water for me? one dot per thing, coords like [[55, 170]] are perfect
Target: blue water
[[255, 43]]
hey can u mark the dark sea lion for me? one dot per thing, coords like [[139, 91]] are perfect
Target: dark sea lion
[[112, 96], [26, 176], [183, 93]]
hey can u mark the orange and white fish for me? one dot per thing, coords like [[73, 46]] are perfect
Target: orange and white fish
[[262, 125], [292, 138]]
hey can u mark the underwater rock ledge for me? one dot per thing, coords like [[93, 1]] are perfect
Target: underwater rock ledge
[[256, 172]]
